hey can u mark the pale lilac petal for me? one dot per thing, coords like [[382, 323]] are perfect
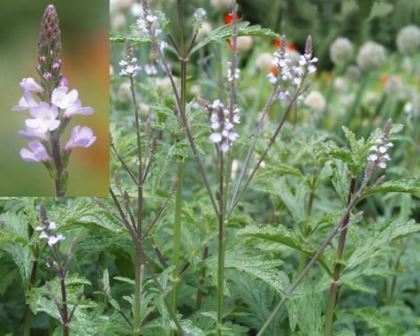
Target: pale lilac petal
[[29, 85], [62, 99], [77, 108], [31, 133], [26, 102], [35, 153], [44, 118], [80, 137]]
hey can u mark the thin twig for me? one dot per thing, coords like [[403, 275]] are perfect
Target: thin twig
[[127, 169], [160, 211]]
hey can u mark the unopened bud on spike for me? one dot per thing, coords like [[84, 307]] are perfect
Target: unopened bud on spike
[[308, 45], [49, 51]]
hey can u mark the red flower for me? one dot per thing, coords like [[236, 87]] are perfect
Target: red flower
[[290, 46], [277, 43], [229, 17], [275, 70]]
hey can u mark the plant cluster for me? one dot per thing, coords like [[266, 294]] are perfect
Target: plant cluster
[[251, 193]]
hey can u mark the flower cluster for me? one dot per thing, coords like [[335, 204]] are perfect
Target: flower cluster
[[46, 231], [129, 66], [51, 105], [286, 72], [222, 124], [380, 152], [379, 156], [149, 24], [199, 15]]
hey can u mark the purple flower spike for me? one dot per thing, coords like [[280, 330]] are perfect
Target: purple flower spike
[[29, 85], [80, 137], [77, 108], [35, 153]]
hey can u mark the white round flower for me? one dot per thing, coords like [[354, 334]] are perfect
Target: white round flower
[[221, 4], [408, 39], [204, 30], [264, 61], [341, 51], [316, 101], [244, 43], [371, 56]]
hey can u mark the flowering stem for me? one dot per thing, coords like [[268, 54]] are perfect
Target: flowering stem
[[334, 288], [355, 199], [139, 241], [238, 191], [182, 54], [221, 249], [64, 312]]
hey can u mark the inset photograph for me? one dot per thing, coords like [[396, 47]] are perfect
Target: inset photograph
[[54, 98]]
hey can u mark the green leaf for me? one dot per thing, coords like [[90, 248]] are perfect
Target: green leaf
[[256, 265], [375, 241], [244, 29], [380, 10], [282, 235], [409, 185]]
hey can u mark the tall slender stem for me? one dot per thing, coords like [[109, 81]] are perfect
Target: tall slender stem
[[64, 308], [357, 196], [334, 288], [32, 279], [177, 230], [139, 241], [181, 162], [221, 249], [138, 290]]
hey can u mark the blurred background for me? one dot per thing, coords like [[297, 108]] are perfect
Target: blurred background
[[84, 27]]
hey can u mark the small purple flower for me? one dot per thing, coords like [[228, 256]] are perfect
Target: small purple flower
[[80, 137], [62, 98], [25, 103], [30, 134], [77, 108], [29, 85], [44, 118], [35, 153]]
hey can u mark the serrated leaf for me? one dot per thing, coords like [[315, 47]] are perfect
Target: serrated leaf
[[259, 267], [244, 29], [281, 235], [373, 242], [409, 185]]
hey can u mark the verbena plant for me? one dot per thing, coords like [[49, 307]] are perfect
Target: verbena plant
[[221, 220]]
